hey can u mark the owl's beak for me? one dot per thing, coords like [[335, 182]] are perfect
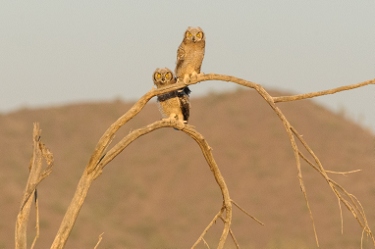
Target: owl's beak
[[193, 39]]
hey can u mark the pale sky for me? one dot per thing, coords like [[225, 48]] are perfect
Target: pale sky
[[62, 52]]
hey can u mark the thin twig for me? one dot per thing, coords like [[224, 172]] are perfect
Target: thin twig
[[321, 93], [99, 240], [363, 232], [231, 234], [344, 173], [341, 217], [37, 228], [234, 239], [244, 211], [205, 243], [207, 228], [362, 213]]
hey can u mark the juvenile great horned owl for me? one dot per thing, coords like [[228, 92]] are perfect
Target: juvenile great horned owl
[[190, 54], [173, 104]]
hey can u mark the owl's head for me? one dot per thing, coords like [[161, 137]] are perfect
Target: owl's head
[[163, 77], [193, 34]]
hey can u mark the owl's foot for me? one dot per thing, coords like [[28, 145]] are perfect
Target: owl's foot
[[194, 76], [180, 124], [186, 79], [174, 120]]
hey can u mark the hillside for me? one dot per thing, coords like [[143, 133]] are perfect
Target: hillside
[[159, 193]]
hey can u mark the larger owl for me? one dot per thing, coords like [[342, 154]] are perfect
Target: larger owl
[[190, 54], [175, 104]]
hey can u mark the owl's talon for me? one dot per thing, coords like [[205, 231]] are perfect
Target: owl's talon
[[186, 79], [180, 125], [175, 121]]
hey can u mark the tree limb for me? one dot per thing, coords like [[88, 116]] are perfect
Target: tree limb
[[35, 177], [91, 174], [321, 93], [101, 157]]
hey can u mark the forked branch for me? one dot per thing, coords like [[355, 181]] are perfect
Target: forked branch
[[92, 173], [102, 157], [36, 175]]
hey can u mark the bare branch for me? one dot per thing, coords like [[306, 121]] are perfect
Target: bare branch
[[37, 224], [344, 173], [99, 240], [341, 218], [92, 173], [244, 211], [353, 205], [206, 150], [205, 243], [35, 177], [207, 228], [100, 157], [231, 234], [321, 93], [234, 239]]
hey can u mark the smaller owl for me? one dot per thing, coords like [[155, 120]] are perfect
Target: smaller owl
[[173, 104], [190, 54]]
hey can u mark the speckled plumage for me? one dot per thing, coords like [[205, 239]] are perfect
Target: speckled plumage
[[190, 54], [174, 104]]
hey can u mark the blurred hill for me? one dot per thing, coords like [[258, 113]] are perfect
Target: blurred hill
[[160, 193]]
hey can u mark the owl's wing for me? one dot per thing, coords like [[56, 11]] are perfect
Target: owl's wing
[[180, 53], [203, 44], [180, 58], [185, 106], [161, 110]]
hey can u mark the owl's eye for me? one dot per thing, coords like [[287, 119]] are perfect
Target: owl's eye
[[168, 76], [199, 34], [188, 35], [157, 75]]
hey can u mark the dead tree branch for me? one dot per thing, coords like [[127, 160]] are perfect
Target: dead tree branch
[[321, 93], [36, 175], [102, 157], [99, 240], [207, 228], [91, 174], [352, 204], [244, 211]]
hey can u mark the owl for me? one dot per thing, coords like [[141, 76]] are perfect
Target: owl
[[190, 54], [173, 104]]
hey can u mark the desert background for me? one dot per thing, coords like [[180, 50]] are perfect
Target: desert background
[[77, 66], [160, 193]]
